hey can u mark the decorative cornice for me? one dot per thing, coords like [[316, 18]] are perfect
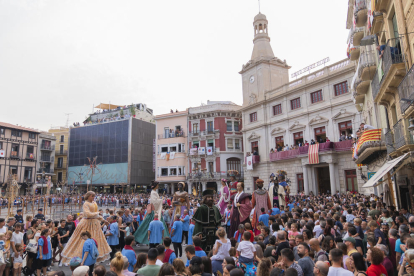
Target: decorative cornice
[[253, 136], [297, 126], [318, 120], [214, 114], [342, 114], [278, 130]]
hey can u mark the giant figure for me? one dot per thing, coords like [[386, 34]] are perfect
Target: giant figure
[[260, 199], [241, 208], [224, 197], [207, 219]]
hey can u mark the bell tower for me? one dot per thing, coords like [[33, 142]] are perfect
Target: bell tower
[[264, 71]]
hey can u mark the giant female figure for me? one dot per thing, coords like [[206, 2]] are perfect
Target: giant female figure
[[141, 235], [224, 197], [242, 207], [90, 223]]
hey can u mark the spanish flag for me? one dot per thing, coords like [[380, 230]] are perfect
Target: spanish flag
[[368, 136]]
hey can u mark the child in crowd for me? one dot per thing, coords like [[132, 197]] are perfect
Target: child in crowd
[[128, 229], [246, 249], [220, 250], [18, 260], [294, 231], [232, 253]]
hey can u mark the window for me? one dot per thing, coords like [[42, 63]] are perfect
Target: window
[[210, 167], [255, 146], [341, 88], [164, 171], [351, 180], [173, 148], [298, 137], [166, 132], [277, 109], [316, 96], [229, 144], [32, 135], [15, 150], [196, 144], [1, 145], [2, 131], [28, 174], [60, 162], [61, 148], [254, 181], [253, 117], [60, 177], [30, 152], [320, 134], [300, 182], [13, 170], [237, 144], [236, 126], [229, 126], [164, 149], [173, 171], [210, 143], [295, 103], [62, 138], [233, 164], [16, 133], [279, 142], [181, 148], [210, 127], [345, 129], [195, 128]]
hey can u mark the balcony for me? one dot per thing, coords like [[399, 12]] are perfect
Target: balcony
[[341, 146], [172, 135], [210, 176], [367, 65], [210, 132], [354, 52], [356, 34], [406, 92], [393, 69], [369, 145], [399, 140], [283, 155], [194, 133], [375, 84], [361, 13], [377, 22], [14, 155], [46, 170], [194, 152], [255, 159], [61, 152], [30, 156], [49, 159], [46, 147]]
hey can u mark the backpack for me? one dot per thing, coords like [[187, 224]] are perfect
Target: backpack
[[94, 252]]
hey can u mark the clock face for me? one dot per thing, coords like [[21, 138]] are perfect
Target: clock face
[[251, 79]]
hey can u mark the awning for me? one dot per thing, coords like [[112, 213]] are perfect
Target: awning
[[383, 171], [108, 106], [107, 187]]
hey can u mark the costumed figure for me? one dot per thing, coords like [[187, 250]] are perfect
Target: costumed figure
[[141, 235], [273, 191], [91, 223], [240, 212], [282, 185], [207, 219], [260, 199], [224, 197], [233, 182], [180, 200]]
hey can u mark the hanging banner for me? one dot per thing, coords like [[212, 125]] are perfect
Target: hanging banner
[[201, 150], [249, 162], [209, 150]]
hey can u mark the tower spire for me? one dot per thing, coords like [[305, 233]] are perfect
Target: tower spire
[[259, 6], [261, 39]]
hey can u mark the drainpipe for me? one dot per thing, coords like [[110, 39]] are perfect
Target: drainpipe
[[400, 8]]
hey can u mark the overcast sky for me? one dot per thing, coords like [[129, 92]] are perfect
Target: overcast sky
[[65, 56]]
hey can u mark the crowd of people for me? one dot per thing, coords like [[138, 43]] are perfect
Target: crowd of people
[[339, 234]]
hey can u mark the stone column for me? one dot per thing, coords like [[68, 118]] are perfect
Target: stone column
[[314, 180], [172, 188], [190, 187], [305, 180], [332, 178], [204, 186]]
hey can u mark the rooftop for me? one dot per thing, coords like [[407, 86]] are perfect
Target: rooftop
[[171, 114], [7, 125]]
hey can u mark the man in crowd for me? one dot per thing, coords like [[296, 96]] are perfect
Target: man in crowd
[[151, 269], [155, 232]]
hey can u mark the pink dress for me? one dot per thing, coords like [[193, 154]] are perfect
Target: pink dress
[[224, 199]]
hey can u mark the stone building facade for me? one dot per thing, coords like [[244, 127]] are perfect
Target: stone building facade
[[279, 113]]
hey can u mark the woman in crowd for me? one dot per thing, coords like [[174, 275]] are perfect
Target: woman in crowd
[[179, 267], [117, 264], [227, 269], [141, 261], [166, 270]]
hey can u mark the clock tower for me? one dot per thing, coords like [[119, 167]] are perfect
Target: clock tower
[[264, 71]]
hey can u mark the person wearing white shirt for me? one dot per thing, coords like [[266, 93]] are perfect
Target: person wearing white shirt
[[3, 228], [336, 255]]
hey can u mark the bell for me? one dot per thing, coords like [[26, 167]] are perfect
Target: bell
[[411, 126]]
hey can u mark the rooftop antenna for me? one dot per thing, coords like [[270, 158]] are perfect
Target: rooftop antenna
[[67, 120], [259, 6]]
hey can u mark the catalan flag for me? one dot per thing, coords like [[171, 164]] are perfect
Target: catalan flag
[[368, 136], [313, 154]]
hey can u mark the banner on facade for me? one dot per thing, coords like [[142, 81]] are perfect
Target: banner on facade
[[249, 163], [201, 150], [2, 153], [209, 150], [193, 151], [313, 154]]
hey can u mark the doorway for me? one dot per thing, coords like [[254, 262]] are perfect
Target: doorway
[[405, 198], [324, 182]]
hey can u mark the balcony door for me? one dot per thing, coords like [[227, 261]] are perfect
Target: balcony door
[[233, 164], [210, 127], [351, 180], [166, 132]]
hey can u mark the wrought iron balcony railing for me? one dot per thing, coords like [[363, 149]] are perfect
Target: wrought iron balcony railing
[[171, 134], [406, 90], [393, 53], [401, 135], [47, 147]]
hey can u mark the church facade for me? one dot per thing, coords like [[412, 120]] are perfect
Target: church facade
[[281, 117]]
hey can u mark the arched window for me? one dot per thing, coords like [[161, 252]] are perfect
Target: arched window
[[233, 164]]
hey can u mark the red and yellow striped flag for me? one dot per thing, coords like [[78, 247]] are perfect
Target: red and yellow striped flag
[[368, 136], [313, 154]]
